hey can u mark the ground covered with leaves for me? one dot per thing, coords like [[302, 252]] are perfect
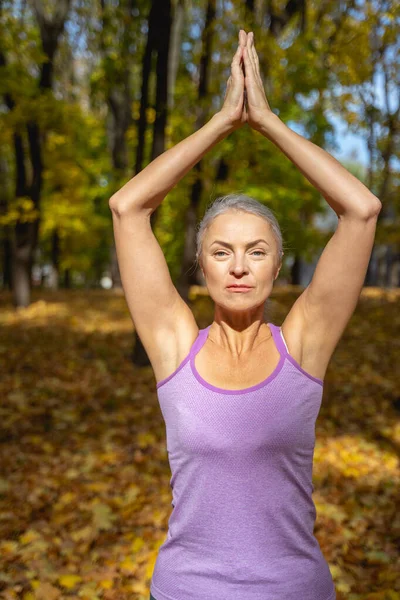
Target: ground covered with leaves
[[84, 485]]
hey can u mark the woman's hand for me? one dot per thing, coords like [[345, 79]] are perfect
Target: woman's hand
[[257, 103], [234, 107]]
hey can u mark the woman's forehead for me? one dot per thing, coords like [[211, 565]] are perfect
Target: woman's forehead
[[234, 228]]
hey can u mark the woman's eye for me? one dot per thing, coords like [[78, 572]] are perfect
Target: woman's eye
[[255, 252]]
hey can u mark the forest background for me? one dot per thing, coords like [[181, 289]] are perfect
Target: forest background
[[93, 91]]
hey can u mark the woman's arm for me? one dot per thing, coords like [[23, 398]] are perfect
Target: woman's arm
[[148, 188]]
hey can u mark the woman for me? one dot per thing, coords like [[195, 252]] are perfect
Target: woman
[[240, 398]]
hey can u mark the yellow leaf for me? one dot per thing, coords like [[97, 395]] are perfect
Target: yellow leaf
[[98, 486], [343, 587], [151, 563], [8, 547], [29, 536], [69, 581], [137, 544], [107, 584], [66, 498], [129, 564]]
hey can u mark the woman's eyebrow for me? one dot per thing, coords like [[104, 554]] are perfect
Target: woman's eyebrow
[[222, 243]]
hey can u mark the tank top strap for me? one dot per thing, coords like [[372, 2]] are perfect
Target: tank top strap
[[199, 341], [278, 339]]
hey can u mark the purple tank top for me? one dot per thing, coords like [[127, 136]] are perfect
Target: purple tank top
[[243, 516]]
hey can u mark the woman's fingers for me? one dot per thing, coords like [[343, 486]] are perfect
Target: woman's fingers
[[255, 99], [235, 84], [235, 65], [250, 51], [253, 48], [255, 55], [248, 64], [255, 59], [242, 37]]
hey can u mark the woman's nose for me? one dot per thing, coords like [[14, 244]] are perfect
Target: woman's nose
[[239, 266]]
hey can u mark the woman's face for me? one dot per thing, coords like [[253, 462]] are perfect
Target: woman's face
[[239, 261]]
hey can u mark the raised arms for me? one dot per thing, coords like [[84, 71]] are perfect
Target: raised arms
[[325, 307]]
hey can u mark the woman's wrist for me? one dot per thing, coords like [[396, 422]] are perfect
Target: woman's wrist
[[266, 125], [269, 124], [223, 124]]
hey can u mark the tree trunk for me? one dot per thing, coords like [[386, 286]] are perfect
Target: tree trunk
[[185, 280], [24, 241], [7, 258], [250, 6], [67, 278], [296, 270], [176, 37], [144, 96], [163, 26], [159, 34], [119, 103], [389, 264], [380, 59], [277, 21], [21, 284], [6, 230], [55, 258]]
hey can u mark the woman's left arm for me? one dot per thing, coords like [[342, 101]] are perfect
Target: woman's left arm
[[326, 305]]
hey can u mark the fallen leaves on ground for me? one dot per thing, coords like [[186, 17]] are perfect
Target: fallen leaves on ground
[[85, 484]]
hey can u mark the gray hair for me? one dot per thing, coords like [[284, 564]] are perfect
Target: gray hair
[[238, 202]]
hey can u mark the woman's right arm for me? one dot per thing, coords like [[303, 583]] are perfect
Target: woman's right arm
[[161, 317], [146, 190]]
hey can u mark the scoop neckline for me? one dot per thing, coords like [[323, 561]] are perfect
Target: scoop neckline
[[220, 390]]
